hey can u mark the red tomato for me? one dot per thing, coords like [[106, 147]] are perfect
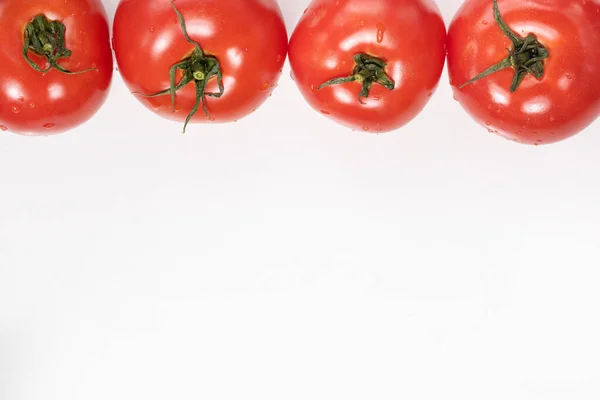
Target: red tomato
[[380, 60], [242, 44], [39, 95], [558, 96]]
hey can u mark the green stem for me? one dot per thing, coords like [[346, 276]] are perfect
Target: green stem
[[367, 70], [527, 55], [47, 38], [198, 68]]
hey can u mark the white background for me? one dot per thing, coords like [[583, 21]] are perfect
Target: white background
[[284, 257]]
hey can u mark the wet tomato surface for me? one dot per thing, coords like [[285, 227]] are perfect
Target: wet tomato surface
[[550, 90], [380, 60], [225, 69], [56, 64]]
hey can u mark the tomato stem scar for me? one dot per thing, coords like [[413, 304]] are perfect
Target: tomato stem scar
[[198, 68], [47, 38], [527, 56], [367, 70]]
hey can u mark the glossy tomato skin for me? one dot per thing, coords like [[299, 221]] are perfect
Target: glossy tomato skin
[[248, 37], [409, 35], [33, 103], [563, 102]]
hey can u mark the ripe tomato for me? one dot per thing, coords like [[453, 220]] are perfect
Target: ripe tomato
[[369, 65], [228, 65], [546, 89], [56, 64]]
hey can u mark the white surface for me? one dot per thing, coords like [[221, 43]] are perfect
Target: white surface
[[285, 257]]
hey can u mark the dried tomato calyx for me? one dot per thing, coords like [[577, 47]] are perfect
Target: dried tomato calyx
[[47, 38], [198, 68], [527, 56], [368, 69]]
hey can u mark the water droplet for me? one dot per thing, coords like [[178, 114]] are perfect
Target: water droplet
[[49, 125], [362, 22], [151, 28], [16, 109], [292, 76], [235, 120], [484, 22], [552, 118], [454, 97], [488, 123], [365, 128], [380, 32], [430, 94], [378, 128], [325, 112], [3, 128], [376, 98], [265, 86], [312, 87], [21, 99], [31, 104], [490, 130], [569, 77]]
